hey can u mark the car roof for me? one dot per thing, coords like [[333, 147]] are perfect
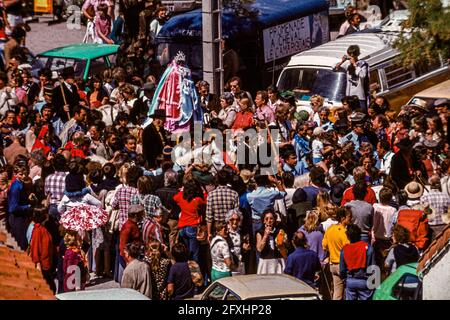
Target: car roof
[[103, 294], [441, 90], [266, 285], [407, 268], [82, 51], [374, 47]]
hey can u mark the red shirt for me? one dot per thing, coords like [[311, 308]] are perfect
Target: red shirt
[[189, 216], [41, 247], [128, 234], [243, 120], [349, 196]]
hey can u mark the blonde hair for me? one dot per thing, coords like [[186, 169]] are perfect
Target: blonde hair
[[154, 252], [72, 239], [317, 98], [325, 208], [122, 174], [311, 221]]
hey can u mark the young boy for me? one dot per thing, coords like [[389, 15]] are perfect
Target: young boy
[[41, 246], [384, 217], [103, 24]]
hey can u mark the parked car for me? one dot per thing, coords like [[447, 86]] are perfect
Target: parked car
[[430, 95], [403, 284], [312, 71], [86, 59], [103, 294], [259, 287]]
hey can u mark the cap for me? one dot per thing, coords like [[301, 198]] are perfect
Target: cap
[[302, 115], [357, 117], [440, 102]]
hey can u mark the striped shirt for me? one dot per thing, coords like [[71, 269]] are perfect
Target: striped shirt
[[151, 230]]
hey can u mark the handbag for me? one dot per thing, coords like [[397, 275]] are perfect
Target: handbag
[[202, 232]]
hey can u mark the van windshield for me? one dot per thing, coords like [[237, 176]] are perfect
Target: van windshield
[[307, 81]]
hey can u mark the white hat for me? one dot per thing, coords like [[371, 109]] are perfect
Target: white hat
[[318, 131]]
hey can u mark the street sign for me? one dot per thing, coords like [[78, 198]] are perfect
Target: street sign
[[43, 6]]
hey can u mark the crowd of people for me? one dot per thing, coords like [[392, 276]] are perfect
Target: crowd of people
[[355, 186]]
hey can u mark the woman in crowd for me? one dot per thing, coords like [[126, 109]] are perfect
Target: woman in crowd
[[271, 243]]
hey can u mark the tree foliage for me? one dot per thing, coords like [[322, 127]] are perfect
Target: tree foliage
[[426, 33]]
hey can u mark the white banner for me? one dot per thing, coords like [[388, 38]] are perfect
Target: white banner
[[286, 39]]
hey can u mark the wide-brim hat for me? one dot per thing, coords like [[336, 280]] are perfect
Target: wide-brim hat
[[441, 102], [430, 143], [414, 190], [419, 104], [405, 144], [246, 175], [67, 72], [159, 114]]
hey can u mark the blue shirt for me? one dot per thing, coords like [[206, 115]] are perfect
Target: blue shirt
[[262, 199], [303, 264], [17, 199], [298, 170]]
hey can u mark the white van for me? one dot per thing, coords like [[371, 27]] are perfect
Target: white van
[[311, 72]]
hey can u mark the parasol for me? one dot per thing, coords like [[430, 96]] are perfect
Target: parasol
[[84, 217]]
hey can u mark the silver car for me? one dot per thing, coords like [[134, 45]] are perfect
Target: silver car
[[259, 287]]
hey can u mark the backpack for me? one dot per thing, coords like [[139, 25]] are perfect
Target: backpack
[[417, 223], [113, 222]]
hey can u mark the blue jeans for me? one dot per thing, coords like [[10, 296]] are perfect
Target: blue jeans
[[356, 289], [365, 237], [189, 237]]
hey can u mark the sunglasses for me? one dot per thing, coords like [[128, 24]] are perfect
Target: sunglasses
[[234, 219]]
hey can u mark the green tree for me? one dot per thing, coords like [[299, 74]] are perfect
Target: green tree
[[426, 33]]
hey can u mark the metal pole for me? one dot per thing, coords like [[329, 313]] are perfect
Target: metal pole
[[212, 49]]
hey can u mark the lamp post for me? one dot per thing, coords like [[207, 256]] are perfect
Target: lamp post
[[212, 48]]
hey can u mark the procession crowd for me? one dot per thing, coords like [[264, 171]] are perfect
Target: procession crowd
[[356, 186]]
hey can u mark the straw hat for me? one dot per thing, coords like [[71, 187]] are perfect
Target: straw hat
[[246, 175], [414, 190]]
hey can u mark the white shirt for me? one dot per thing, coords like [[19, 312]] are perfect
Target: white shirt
[[384, 218], [386, 162], [219, 252]]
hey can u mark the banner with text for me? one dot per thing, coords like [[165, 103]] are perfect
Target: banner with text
[[292, 37]]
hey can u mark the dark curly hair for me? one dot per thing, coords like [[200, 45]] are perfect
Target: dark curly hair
[[191, 190], [133, 175]]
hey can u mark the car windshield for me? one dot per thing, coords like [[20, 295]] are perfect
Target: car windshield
[[308, 81], [57, 64]]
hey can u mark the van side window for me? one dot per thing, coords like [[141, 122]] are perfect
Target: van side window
[[423, 67], [375, 83], [396, 74]]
